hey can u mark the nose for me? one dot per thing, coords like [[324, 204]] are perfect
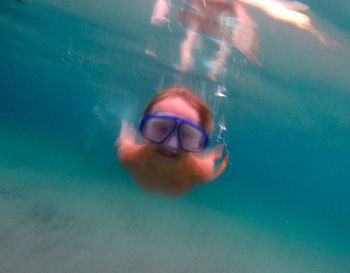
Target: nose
[[172, 142]]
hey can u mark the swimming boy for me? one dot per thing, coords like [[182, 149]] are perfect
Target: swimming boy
[[175, 126]]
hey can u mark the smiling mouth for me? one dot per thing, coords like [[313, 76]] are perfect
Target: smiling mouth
[[168, 154]]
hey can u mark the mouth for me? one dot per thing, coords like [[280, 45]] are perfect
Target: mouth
[[168, 154]]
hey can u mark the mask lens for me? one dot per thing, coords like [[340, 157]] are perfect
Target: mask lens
[[192, 139], [157, 129]]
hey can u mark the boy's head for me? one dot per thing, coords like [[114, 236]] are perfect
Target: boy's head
[[193, 105]]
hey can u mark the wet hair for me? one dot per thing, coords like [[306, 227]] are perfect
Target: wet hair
[[206, 120]]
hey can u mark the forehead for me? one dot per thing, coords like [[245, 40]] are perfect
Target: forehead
[[177, 107]]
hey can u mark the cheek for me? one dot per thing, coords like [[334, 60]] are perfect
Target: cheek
[[150, 145], [153, 149], [183, 154]]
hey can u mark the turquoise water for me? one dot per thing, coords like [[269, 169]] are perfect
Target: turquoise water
[[70, 71]]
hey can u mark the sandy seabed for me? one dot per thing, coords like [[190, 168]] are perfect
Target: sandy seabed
[[55, 221]]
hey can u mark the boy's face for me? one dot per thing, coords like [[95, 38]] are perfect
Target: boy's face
[[170, 150]]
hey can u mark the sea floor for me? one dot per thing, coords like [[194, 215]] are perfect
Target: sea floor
[[60, 218]]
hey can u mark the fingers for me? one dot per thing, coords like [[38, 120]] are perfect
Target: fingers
[[221, 168], [126, 133], [216, 152]]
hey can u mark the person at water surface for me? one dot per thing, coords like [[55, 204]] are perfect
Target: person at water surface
[[226, 22], [229, 25], [174, 157]]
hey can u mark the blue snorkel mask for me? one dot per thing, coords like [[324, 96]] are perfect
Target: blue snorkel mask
[[159, 128]]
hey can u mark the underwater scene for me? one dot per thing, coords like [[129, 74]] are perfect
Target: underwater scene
[[276, 77]]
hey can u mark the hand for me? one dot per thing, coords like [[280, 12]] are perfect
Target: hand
[[127, 133], [217, 152]]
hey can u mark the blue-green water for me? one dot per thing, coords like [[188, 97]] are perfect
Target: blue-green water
[[70, 71]]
